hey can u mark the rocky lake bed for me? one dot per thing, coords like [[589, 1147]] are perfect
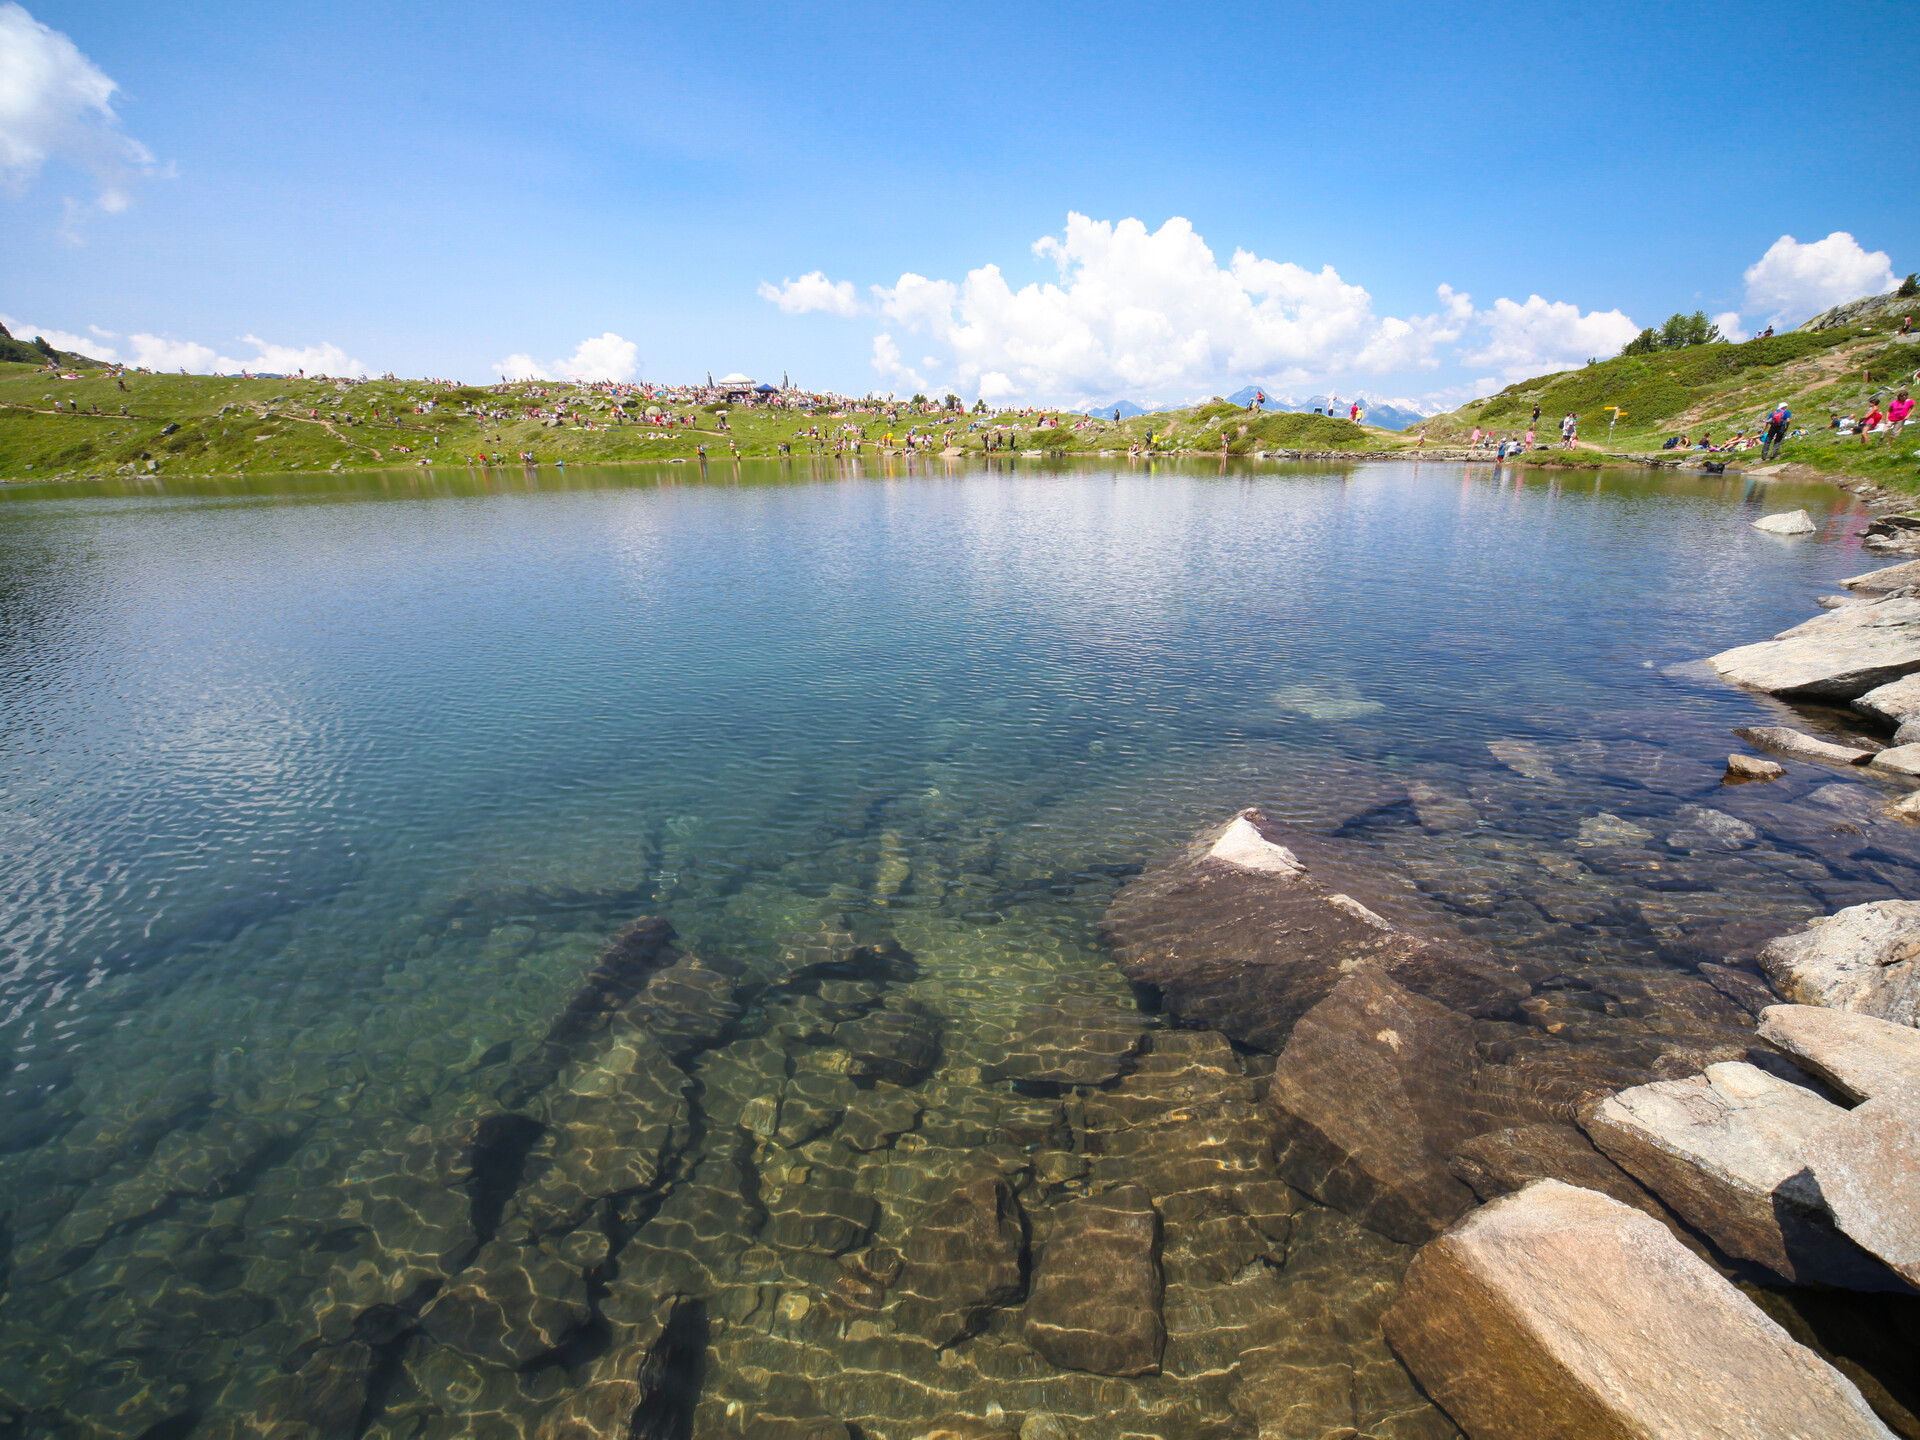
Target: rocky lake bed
[[1446, 1025]]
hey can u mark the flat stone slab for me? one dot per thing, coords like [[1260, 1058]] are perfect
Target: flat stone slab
[[1723, 1150], [1897, 702], [1561, 1312], [1860, 1056], [1901, 759], [1867, 1167], [1887, 578], [1837, 655], [1788, 741], [1865, 958]]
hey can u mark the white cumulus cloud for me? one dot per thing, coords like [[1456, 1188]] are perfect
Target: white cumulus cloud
[[1154, 314], [1793, 282], [1543, 336], [599, 357], [1730, 327], [57, 104], [812, 291]]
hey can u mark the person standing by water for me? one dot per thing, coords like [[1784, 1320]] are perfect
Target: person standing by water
[[1776, 433], [1530, 429], [1423, 438], [1869, 420], [1569, 431], [1897, 413]]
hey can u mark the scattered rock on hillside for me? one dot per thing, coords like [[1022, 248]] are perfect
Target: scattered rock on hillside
[[1801, 746], [1860, 1056], [1512, 1321], [1837, 655], [1723, 1149], [1865, 958], [1788, 522], [1096, 1290], [1867, 1168]]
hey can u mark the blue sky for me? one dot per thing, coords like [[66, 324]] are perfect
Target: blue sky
[[592, 189]]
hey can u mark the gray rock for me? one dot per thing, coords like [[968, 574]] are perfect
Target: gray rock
[[1887, 578], [1900, 759], [1788, 522], [1441, 809], [1504, 1161], [1837, 655], [1908, 732], [1748, 767], [1867, 1168], [1096, 1290], [1897, 702], [1860, 1056], [1723, 1150], [1513, 1321], [1865, 958], [1606, 828], [1801, 746]]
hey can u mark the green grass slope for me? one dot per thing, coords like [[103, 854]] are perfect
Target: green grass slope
[[102, 423], [1723, 389]]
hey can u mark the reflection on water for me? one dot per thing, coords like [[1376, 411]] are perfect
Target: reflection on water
[[324, 797]]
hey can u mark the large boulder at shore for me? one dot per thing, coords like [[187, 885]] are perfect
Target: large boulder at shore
[[1886, 579], [1234, 934], [1561, 1312], [1859, 1056], [1787, 522], [1377, 1086], [1865, 958], [1725, 1151], [1095, 1304], [1867, 1168], [1837, 655]]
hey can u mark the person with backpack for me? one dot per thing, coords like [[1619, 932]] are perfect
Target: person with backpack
[[1776, 435]]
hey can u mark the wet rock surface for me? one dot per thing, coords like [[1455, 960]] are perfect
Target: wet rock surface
[[966, 1255], [1512, 1321]]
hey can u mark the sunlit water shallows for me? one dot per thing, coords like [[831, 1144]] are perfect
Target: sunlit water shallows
[[322, 797]]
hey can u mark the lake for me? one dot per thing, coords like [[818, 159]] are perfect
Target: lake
[[323, 796]]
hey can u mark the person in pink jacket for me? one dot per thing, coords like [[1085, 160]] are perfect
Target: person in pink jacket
[[1897, 415]]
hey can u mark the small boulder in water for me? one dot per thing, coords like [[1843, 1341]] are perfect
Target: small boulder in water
[[1788, 522], [1742, 768]]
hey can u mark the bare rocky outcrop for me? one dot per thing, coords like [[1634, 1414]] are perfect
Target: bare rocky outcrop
[[1838, 655], [1859, 1056], [1725, 1151], [1886, 579], [1865, 958], [1513, 1322], [1096, 1290], [1866, 1166]]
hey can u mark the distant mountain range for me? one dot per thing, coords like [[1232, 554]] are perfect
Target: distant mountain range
[[1126, 408], [1387, 417]]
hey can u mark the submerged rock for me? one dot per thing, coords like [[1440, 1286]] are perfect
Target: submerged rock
[[1513, 1322], [1372, 1093], [1096, 1290], [1075, 1040], [1724, 1149], [1860, 1056], [1501, 1162], [966, 1255], [1440, 809], [512, 1305], [898, 1042], [1236, 936], [1835, 656], [1865, 958], [1866, 1166]]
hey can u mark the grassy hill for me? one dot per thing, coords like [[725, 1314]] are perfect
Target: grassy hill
[[93, 421], [1723, 389]]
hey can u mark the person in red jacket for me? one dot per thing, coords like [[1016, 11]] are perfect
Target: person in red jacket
[[1872, 418]]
